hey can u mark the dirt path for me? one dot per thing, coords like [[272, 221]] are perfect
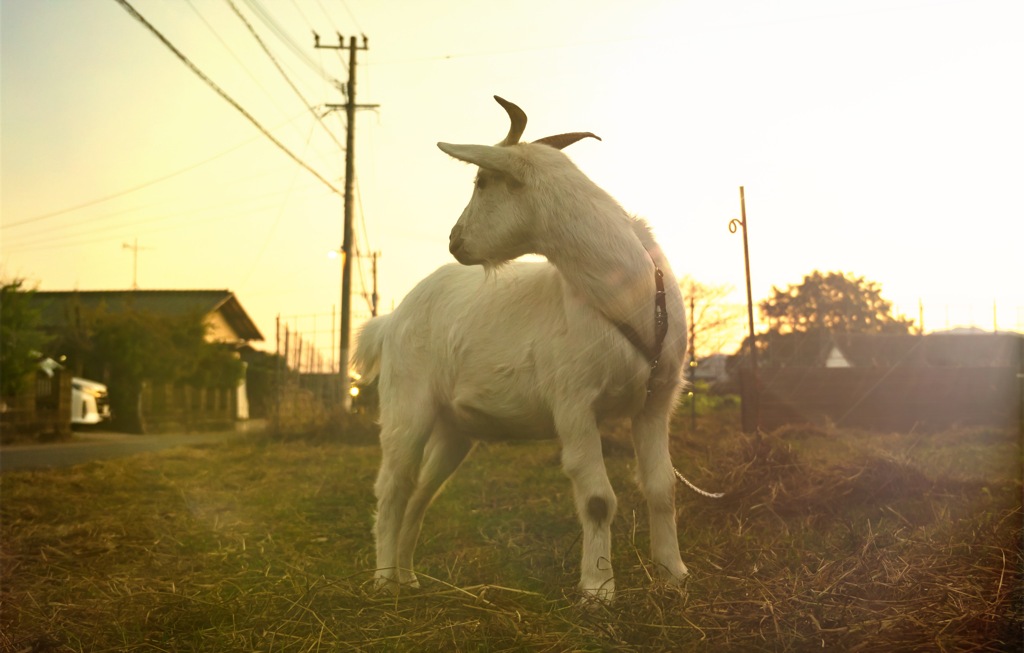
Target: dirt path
[[89, 446]]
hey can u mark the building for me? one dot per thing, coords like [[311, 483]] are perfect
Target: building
[[222, 313], [225, 320]]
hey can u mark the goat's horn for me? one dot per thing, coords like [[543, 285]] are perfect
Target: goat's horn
[[562, 141], [518, 117]]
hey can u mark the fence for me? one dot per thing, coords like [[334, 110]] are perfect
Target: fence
[[167, 407], [308, 394], [309, 343], [894, 398], [43, 412]]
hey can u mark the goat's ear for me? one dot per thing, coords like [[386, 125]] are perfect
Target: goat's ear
[[562, 141], [488, 157]]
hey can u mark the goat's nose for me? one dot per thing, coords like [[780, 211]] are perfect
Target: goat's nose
[[455, 244], [455, 240]]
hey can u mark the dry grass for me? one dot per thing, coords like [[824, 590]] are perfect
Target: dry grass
[[834, 540]]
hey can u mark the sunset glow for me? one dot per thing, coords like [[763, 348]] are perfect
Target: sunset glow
[[876, 138]]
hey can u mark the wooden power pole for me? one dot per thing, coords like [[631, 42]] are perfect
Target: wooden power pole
[[347, 248]]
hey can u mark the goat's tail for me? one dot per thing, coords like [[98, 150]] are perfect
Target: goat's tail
[[368, 348]]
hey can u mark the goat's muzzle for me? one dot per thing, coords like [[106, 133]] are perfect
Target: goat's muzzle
[[455, 244]]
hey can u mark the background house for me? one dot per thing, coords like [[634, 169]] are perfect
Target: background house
[[712, 369], [192, 403], [224, 316]]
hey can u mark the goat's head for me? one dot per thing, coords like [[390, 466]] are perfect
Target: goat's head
[[497, 224]]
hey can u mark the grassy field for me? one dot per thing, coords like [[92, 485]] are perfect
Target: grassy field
[[841, 540]]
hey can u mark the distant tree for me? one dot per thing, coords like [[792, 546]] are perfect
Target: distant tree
[[802, 317], [712, 322], [135, 346], [73, 339], [832, 302], [22, 341]]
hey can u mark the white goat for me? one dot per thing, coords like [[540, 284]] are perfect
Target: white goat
[[492, 349]]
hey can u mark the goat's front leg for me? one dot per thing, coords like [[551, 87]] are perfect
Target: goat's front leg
[[657, 481], [583, 462]]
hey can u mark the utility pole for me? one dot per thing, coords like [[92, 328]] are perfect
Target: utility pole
[[374, 297], [347, 249], [135, 260]]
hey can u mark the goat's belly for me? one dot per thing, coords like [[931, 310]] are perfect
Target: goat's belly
[[494, 424], [621, 401]]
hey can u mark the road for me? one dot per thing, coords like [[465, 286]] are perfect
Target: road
[[89, 446]]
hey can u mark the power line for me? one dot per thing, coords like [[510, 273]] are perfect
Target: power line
[[366, 241], [238, 60], [275, 27], [335, 84], [126, 191], [305, 19], [273, 227], [44, 243], [287, 79], [92, 224], [355, 21], [64, 231], [209, 82], [71, 234], [508, 51], [144, 184]]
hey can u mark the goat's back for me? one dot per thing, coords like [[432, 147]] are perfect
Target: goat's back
[[506, 344]]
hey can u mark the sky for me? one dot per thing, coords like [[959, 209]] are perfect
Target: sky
[[878, 138]]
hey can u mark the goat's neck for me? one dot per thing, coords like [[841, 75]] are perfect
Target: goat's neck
[[603, 260]]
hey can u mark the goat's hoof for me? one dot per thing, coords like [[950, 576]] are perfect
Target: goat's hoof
[[671, 587], [677, 574], [597, 597], [385, 585], [390, 585], [590, 603]]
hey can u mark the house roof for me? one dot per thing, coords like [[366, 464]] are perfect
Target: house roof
[[56, 306]]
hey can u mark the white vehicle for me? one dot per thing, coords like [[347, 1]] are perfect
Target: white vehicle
[[90, 403]]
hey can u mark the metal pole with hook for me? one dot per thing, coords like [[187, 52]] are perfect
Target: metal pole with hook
[[754, 394]]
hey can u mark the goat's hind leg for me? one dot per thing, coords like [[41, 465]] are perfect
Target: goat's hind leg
[[445, 451], [402, 445]]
